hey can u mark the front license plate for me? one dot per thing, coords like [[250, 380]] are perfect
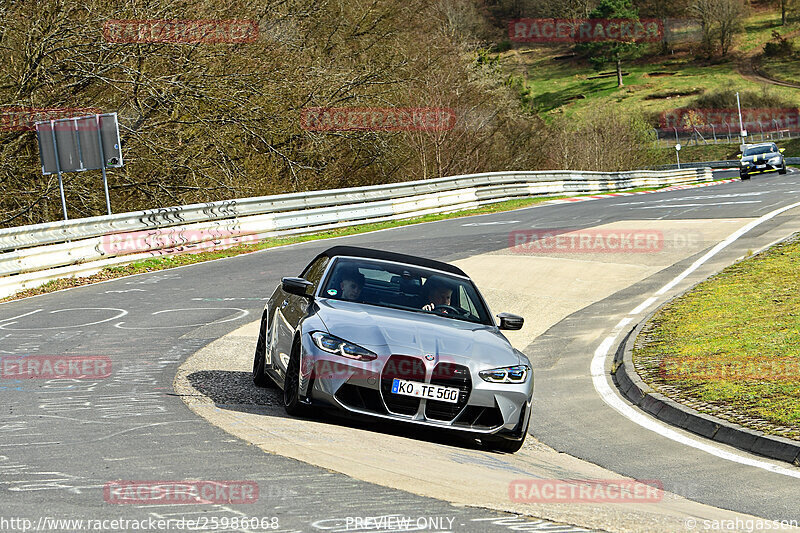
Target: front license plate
[[761, 166], [425, 390]]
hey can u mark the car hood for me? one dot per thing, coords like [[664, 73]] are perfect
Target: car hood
[[395, 331]]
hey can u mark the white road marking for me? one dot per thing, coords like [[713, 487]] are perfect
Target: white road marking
[[608, 395], [624, 322], [121, 313], [121, 292], [698, 205], [497, 223], [701, 197], [644, 305], [731, 238], [241, 314], [18, 316]]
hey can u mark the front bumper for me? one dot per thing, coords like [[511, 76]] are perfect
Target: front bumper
[[363, 389], [760, 168]]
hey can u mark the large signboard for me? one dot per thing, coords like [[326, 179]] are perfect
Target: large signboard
[[81, 143]]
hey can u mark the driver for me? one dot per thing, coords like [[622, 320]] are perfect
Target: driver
[[352, 281], [437, 292]]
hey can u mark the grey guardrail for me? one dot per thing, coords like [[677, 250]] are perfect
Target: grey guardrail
[[719, 164], [641, 394], [31, 255]]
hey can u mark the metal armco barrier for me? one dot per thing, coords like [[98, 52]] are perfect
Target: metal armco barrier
[[730, 163], [32, 255]]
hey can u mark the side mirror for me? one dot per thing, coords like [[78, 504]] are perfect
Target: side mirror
[[509, 321], [298, 286], [739, 156], [781, 150]]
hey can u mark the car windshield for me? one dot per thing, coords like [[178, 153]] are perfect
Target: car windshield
[[407, 287], [759, 150]]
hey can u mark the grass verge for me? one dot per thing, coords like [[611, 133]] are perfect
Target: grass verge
[[172, 261], [730, 347]]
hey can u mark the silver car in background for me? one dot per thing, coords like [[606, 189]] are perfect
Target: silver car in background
[[395, 337], [760, 158]]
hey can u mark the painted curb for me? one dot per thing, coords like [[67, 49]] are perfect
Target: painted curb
[[667, 410]]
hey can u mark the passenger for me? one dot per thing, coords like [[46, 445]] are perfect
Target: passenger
[[436, 292]]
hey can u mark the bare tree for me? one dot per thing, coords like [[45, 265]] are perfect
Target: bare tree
[[785, 7], [720, 20]]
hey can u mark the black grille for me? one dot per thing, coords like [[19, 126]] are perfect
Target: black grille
[[401, 367], [480, 417], [449, 375], [360, 398]]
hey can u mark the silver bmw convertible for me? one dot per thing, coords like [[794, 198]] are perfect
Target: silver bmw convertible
[[395, 337]]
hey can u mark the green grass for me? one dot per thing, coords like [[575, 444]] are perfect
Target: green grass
[[172, 261], [782, 68], [731, 346], [553, 86], [758, 30]]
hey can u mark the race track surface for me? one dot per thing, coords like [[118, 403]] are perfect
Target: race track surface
[[63, 441]]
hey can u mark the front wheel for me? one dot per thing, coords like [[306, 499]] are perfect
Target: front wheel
[[783, 170], [291, 386], [260, 378], [744, 176]]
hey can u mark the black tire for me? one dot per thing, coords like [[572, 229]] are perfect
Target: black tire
[[260, 378], [291, 385], [744, 176], [783, 170]]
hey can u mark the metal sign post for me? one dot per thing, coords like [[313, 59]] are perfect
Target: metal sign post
[[77, 144], [105, 180], [58, 169]]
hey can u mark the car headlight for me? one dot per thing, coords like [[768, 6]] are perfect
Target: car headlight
[[775, 160], [333, 344], [509, 374]]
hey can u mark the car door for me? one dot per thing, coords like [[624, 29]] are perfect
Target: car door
[[288, 315]]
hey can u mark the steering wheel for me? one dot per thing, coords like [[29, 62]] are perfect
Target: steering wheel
[[447, 308]]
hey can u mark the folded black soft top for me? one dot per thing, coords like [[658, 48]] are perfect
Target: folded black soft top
[[368, 253]]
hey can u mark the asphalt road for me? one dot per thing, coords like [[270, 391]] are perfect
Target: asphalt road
[[63, 441]]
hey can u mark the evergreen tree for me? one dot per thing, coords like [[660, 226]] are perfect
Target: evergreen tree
[[602, 53]]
